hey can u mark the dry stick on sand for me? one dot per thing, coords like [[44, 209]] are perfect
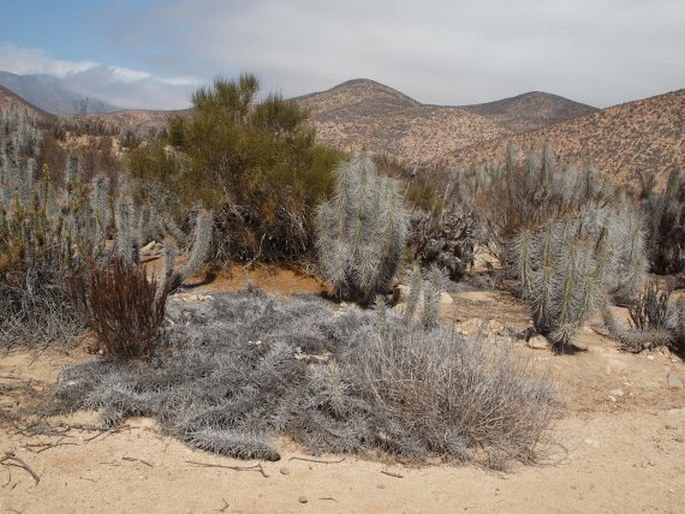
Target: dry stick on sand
[[136, 459], [317, 460], [256, 467], [41, 447], [394, 475], [11, 459]]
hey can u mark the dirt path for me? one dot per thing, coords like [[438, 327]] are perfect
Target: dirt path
[[619, 447]]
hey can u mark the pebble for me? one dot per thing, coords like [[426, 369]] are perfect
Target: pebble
[[538, 342], [616, 392], [674, 382], [284, 471], [302, 499], [592, 442]]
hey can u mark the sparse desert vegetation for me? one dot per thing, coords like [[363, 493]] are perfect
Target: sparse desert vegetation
[[116, 242]]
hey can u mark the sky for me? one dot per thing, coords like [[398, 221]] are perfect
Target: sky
[[154, 54]]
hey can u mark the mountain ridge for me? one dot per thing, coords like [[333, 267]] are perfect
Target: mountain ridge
[[51, 94]]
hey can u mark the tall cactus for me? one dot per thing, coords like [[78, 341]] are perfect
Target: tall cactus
[[362, 231]]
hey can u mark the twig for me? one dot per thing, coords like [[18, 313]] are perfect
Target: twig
[[317, 460], [135, 459], [329, 498], [226, 505], [46, 446], [394, 475], [256, 467], [11, 459]]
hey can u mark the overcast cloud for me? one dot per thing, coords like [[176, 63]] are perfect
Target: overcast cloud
[[600, 52]]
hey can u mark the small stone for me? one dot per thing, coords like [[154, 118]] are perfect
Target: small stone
[[651, 463], [538, 342], [650, 357], [302, 499], [674, 382], [446, 299], [284, 471], [592, 442], [617, 393]]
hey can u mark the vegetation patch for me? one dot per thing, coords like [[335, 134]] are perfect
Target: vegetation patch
[[237, 370]]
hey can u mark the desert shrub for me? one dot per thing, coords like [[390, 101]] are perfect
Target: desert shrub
[[240, 369], [254, 163], [361, 231], [650, 309], [47, 232], [656, 321], [571, 242], [121, 305], [665, 220]]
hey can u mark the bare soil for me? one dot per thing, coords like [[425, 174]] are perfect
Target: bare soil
[[619, 445]]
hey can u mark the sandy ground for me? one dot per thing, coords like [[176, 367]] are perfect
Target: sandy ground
[[619, 445]]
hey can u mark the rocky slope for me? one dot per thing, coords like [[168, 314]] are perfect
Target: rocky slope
[[619, 141]]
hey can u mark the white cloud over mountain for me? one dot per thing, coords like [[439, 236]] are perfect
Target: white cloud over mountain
[[116, 85]]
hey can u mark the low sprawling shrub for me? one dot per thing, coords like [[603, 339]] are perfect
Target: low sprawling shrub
[[237, 370]]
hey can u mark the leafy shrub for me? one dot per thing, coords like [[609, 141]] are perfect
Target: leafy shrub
[[361, 231], [122, 307], [243, 368], [254, 163]]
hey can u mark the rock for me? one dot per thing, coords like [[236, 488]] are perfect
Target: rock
[[616, 393], [303, 499], [284, 471], [538, 342], [446, 299], [674, 382]]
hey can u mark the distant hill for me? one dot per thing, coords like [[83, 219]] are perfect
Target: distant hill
[[51, 94], [8, 98], [363, 114], [644, 135], [531, 111]]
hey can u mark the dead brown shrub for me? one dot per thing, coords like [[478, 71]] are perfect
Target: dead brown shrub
[[122, 307]]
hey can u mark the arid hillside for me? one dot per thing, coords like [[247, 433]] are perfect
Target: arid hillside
[[135, 119], [8, 98], [531, 111], [362, 114], [619, 141]]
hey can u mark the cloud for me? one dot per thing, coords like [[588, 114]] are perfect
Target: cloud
[[121, 86], [443, 51], [25, 61]]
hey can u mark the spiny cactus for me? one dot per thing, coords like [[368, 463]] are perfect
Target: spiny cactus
[[362, 231], [665, 219], [201, 242], [570, 241]]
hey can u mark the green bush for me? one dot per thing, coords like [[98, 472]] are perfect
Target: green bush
[[253, 162]]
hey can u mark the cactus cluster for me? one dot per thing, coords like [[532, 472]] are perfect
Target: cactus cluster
[[48, 233], [361, 231], [573, 243]]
